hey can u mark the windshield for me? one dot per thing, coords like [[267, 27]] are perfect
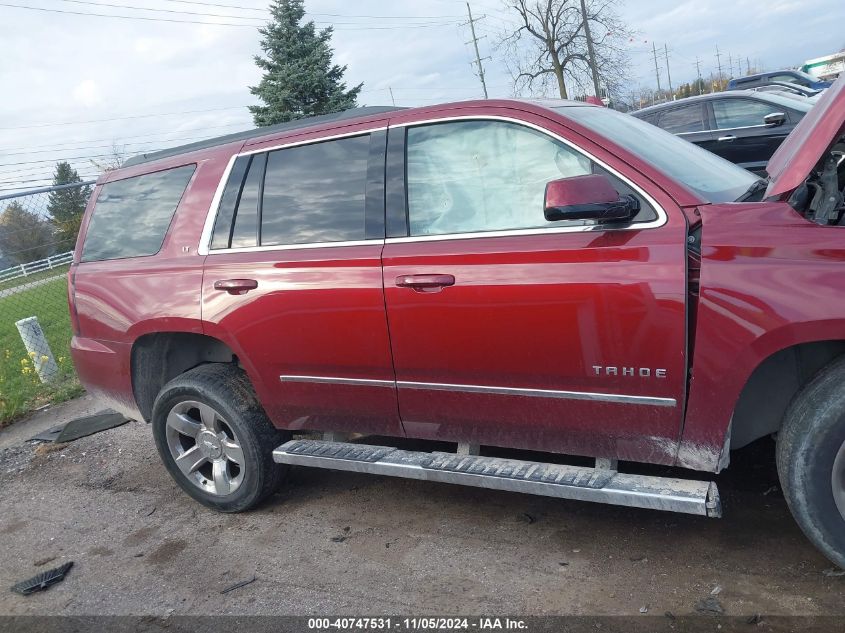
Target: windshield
[[711, 177]]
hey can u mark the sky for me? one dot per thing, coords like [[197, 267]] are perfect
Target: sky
[[75, 85]]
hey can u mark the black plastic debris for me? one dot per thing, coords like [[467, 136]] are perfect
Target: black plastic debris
[[42, 581], [238, 585], [82, 427]]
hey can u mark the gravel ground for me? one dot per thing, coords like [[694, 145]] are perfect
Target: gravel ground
[[342, 543]]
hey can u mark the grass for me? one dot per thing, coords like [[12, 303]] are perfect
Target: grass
[[20, 389], [41, 274]]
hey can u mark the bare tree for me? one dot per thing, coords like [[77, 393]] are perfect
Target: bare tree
[[111, 161], [550, 46]]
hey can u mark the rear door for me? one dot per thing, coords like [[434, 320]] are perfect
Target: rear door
[[292, 281], [509, 330]]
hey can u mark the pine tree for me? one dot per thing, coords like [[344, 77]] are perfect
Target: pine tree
[[66, 206], [300, 79]]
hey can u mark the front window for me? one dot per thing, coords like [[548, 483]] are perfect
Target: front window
[[472, 176], [711, 177], [736, 113]]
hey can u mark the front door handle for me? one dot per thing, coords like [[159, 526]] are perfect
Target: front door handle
[[425, 283], [726, 139], [236, 286]]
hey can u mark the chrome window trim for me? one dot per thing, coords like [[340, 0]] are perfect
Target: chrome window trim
[[211, 215], [486, 389], [661, 219]]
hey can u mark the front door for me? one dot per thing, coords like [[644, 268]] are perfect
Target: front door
[[510, 330], [740, 135]]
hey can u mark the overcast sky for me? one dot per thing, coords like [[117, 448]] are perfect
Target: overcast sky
[[72, 84]]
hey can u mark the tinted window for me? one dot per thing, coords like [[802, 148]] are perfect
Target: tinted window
[[315, 193], [231, 195], [651, 117], [731, 113], [471, 176], [790, 78], [131, 216], [245, 231], [686, 119]]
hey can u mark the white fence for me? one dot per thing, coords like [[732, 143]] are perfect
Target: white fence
[[25, 270]]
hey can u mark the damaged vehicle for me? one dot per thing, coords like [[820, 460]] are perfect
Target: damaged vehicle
[[550, 276]]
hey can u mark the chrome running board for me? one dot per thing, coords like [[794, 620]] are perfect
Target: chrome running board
[[600, 485]]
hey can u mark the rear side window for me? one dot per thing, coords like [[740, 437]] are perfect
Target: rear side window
[[131, 216], [300, 195], [316, 193], [683, 120]]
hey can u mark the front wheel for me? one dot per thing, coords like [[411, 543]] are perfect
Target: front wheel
[[215, 439], [811, 460]]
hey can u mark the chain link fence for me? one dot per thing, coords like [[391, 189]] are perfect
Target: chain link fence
[[38, 232]]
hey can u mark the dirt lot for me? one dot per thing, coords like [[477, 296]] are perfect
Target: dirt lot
[[341, 543]]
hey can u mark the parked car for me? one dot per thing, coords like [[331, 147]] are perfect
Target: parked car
[[788, 89], [550, 276], [789, 76], [742, 126]]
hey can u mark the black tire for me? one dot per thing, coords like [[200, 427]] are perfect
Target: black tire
[[227, 390], [812, 436]]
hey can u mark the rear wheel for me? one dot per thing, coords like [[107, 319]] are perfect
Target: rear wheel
[[811, 460], [215, 439]]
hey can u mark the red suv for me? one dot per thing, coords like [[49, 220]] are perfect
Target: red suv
[[549, 276]]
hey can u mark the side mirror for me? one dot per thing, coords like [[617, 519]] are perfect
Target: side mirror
[[590, 197], [774, 119]]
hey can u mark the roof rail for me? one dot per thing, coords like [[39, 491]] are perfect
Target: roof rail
[[351, 113]]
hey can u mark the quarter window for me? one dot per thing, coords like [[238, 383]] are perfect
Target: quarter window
[[732, 113], [131, 216], [470, 176]]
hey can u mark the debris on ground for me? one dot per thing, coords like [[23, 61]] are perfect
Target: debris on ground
[[716, 590], [342, 537], [238, 585], [82, 427], [644, 609], [46, 449], [832, 572], [770, 490], [528, 518], [43, 561], [43, 580], [710, 606], [754, 619]]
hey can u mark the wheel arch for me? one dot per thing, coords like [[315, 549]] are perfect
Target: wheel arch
[[158, 357], [773, 384]]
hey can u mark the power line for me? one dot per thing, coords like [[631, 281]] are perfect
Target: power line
[[120, 118], [335, 15], [251, 26]]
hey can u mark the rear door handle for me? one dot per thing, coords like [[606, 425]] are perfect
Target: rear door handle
[[236, 286], [425, 283], [726, 139]]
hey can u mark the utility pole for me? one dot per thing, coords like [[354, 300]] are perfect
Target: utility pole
[[668, 74], [730, 66], [719, 65], [477, 54], [656, 69], [391, 95], [590, 51], [698, 72], [747, 66]]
